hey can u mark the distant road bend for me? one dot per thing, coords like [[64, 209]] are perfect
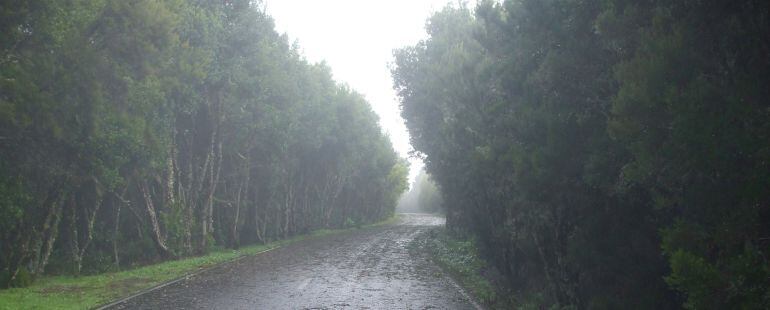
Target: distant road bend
[[363, 269]]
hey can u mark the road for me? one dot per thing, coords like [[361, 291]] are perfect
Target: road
[[369, 268]]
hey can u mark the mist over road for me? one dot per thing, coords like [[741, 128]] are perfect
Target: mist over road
[[363, 269]]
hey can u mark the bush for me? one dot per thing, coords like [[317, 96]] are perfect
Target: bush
[[23, 279]]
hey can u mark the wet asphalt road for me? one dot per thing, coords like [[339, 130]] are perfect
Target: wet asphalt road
[[363, 269]]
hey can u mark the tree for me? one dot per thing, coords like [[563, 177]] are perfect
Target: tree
[[133, 131], [566, 135]]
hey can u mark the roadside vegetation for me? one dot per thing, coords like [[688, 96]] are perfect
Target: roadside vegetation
[[70, 292], [460, 257], [135, 132], [604, 154], [86, 292]]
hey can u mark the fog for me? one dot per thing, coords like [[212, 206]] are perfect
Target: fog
[[423, 196]]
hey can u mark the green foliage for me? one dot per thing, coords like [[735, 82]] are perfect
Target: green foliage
[[173, 220], [699, 278], [462, 259], [22, 279], [350, 223], [13, 198], [137, 131], [578, 139]]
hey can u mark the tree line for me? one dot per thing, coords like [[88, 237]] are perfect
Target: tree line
[[607, 154], [423, 196], [142, 130]]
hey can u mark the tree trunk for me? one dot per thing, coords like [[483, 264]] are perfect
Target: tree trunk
[[243, 191], [157, 234], [215, 166], [546, 265], [116, 227], [115, 234], [287, 208], [259, 224], [74, 247], [78, 248], [170, 184], [50, 233], [18, 262]]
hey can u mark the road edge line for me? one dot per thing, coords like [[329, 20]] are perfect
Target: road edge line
[[194, 273], [179, 279]]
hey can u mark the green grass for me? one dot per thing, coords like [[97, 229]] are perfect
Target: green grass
[[461, 259], [68, 292]]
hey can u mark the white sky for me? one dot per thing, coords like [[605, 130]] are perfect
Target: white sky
[[356, 39]]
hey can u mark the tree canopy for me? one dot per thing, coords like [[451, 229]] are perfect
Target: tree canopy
[[133, 131], [608, 154]]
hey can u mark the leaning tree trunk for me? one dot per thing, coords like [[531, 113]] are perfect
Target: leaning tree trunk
[[157, 234], [49, 234]]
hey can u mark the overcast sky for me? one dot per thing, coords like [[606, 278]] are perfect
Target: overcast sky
[[356, 39]]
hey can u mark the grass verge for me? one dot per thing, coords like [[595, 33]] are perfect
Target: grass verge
[[85, 292], [461, 259]]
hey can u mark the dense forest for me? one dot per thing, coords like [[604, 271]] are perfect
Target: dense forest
[[423, 196], [144, 130], [607, 154]]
